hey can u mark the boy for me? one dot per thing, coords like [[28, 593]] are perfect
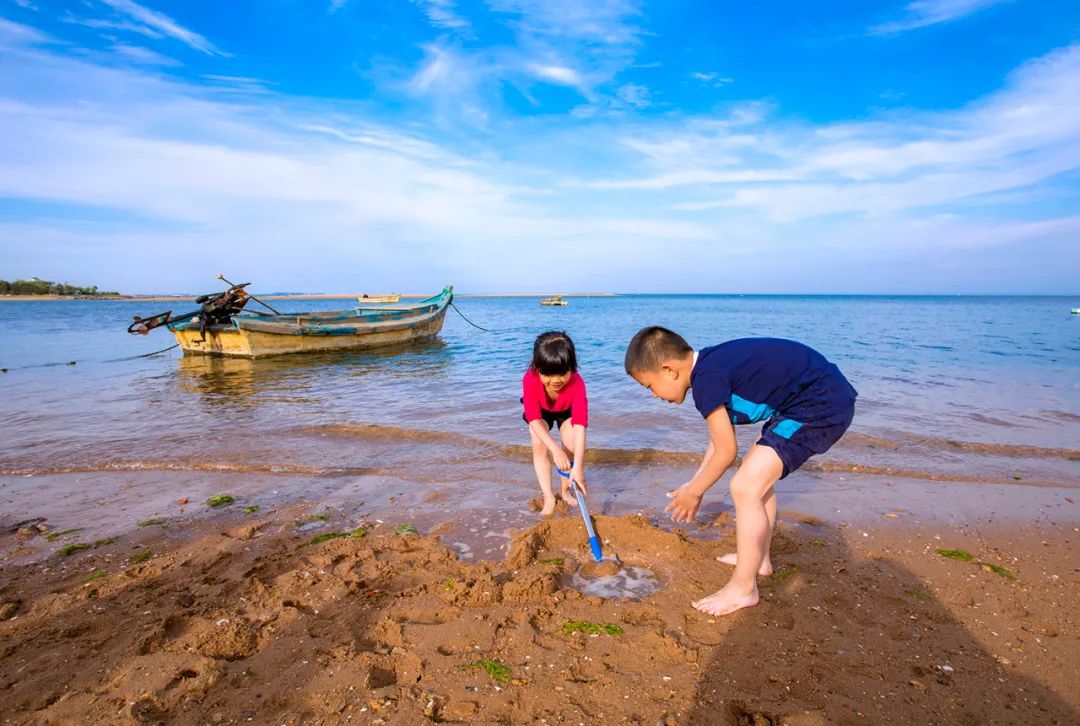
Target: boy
[[806, 404]]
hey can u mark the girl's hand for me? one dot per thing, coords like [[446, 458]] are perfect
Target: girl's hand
[[560, 458], [577, 474]]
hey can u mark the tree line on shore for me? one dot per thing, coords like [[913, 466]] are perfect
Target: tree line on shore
[[44, 287]]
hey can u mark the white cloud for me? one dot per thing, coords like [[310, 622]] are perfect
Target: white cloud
[[138, 54], [163, 24], [101, 24], [922, 13], [440, 13], [1020, 137], [712, 79], [560, 75]]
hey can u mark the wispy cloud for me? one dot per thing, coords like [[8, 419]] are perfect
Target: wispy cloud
[[1019, 138], [162, 24], [440, 13], [138, 54], [922, 13], [712, 79], [103, 24]]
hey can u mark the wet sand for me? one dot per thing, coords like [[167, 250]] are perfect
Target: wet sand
[[236, 617]]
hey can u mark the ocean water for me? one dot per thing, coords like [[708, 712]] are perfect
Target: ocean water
[[961, 389]]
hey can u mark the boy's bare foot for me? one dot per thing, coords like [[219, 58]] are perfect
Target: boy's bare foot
[[730, 558], [727, 600], [569, 498], [549, 507]]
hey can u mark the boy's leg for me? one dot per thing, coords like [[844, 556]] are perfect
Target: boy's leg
[[750, 487], [766, 568], [542, 465], [566, 440]]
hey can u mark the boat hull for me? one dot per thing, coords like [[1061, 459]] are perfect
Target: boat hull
[[258, 336]]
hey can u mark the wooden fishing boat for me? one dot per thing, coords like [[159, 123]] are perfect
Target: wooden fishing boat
[[365, 298], [251, 334], [554, 301]]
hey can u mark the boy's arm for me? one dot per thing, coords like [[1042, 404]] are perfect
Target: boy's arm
[[718, 457]]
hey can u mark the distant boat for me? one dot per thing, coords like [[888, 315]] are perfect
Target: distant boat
[[223, 327], [1076, 311], [554, 301], [365, 298]]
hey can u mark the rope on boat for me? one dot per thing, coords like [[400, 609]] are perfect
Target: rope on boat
[[111, 360], [144, 355], [466, 319]]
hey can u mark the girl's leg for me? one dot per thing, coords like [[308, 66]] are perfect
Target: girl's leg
[[542, 465], [566, 440], [766, 568], [750, 488]]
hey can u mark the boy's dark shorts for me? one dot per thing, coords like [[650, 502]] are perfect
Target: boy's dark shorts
[[796, 441], [551, 418]]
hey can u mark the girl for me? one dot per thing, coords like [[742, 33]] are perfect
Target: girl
[[554, 395]]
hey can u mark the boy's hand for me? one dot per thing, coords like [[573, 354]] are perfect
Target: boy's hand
[[683, 505]]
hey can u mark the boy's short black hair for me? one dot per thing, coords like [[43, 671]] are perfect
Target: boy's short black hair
[[553, 354], [651, 347]]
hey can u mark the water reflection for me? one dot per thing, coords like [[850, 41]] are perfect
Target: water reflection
[[304, 379]]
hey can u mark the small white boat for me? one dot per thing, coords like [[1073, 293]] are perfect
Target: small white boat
[[554, 301], [365, 298]]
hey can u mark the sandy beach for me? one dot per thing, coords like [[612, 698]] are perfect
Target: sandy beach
[[291, 616]]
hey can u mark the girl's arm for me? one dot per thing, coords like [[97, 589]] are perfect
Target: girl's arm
[[578, 472], [538, 427]]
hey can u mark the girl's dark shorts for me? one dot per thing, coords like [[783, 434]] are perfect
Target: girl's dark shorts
[[551, 418], [796, 441]]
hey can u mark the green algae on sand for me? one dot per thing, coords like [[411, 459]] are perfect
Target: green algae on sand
[[405, 529], [141, 557], [997, 570], [327, 536], [960, 555], [493, 668], [584, 626], [53, 536], [220, 500], [70, 549]]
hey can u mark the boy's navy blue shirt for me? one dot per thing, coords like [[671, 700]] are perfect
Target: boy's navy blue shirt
[[764, 378]]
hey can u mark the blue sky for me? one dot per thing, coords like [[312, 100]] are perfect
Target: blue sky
[[542, 145]]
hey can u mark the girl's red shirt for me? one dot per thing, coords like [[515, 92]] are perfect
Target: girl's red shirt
[[572, 396]]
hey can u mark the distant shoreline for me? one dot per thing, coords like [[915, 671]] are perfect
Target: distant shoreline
[[307, 296]]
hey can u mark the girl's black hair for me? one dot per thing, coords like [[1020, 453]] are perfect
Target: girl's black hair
[[553, 354]]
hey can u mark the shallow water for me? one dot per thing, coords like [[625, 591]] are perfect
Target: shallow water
[[970, 390], [630, 582]]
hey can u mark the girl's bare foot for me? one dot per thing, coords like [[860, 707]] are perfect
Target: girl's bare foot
[[569, 498], [730, 558], [727, 600], [549, 506]]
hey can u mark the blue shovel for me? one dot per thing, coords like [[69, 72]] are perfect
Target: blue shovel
[[594, 541]]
